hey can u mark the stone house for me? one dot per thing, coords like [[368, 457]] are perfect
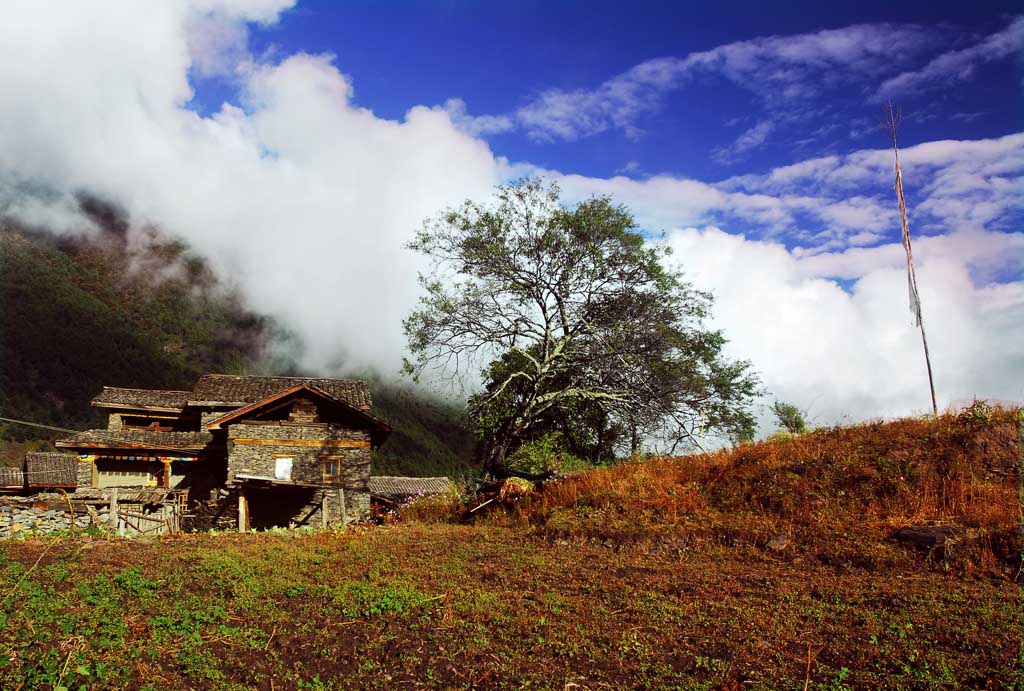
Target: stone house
[[251, 451]]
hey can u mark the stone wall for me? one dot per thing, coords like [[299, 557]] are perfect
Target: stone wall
[[307, 464], [84, 473], [210, 416], [20, 515], [47, 512]]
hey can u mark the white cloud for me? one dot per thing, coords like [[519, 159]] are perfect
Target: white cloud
[[835, 202], [857, 355], [749, 139], [956, 65], [782, 71], [482, 125], [617, 103], [301, 198], [786, 74], [217, 44], [950, 184]]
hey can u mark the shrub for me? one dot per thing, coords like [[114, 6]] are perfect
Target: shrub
[[546, 454]]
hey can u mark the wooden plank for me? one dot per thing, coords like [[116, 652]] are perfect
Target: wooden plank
[[334, 443]]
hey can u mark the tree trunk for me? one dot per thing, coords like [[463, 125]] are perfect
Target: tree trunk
[[494, 456]]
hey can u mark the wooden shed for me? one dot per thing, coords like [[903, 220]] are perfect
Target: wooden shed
[[400, 489]]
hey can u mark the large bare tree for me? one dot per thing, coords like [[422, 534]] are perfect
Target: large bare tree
[[574, 321]]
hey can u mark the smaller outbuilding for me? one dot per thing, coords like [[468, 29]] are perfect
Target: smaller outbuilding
[[398, 490]]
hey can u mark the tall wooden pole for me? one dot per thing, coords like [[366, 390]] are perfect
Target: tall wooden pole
[[892, 123]]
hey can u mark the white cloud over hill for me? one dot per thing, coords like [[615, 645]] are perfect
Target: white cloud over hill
[[299, 196], [305, 200]]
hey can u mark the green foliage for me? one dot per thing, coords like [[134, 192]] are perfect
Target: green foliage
[[132, 580], [546, 454], [978, 413], [199, 664], [587, 332], [789, 417], [84, 314], [366, 599]]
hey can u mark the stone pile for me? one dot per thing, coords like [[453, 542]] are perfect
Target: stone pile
[[23, 515]]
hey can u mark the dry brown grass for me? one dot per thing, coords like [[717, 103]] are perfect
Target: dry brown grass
[[826, 488]]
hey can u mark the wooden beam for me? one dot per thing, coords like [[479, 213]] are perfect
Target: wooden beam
[[61, 444], [334, 443]]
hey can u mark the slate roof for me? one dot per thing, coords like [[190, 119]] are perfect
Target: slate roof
[[137, 439], [236, 391], [401, 487], [117, 397], [43, 456], [375, 422], [48, 469]]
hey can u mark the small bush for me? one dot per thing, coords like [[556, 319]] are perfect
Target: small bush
[[547, 454]]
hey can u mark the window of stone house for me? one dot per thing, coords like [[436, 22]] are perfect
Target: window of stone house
[[283, 467], [332, 468]]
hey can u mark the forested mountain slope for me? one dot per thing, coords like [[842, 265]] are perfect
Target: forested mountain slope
[[141, 310]]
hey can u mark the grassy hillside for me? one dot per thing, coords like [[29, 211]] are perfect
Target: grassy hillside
[[835, 495], [80, 314], [653, 575]]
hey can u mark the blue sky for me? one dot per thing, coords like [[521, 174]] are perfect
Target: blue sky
[[499, 57], [298, 140]]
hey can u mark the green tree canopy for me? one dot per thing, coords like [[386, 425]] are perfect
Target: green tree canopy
[[576, 325], [789, 417]]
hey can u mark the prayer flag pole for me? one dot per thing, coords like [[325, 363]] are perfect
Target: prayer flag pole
[[892, 123]]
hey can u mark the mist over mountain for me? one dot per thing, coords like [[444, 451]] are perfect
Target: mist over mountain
[[136, 308]]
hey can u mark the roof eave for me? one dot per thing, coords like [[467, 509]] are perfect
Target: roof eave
[[128, 406], [64, 444]]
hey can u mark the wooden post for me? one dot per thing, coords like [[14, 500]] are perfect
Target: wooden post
[[323, 509], [243, 511], [114, 520], [167, 475], [341, 502]]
